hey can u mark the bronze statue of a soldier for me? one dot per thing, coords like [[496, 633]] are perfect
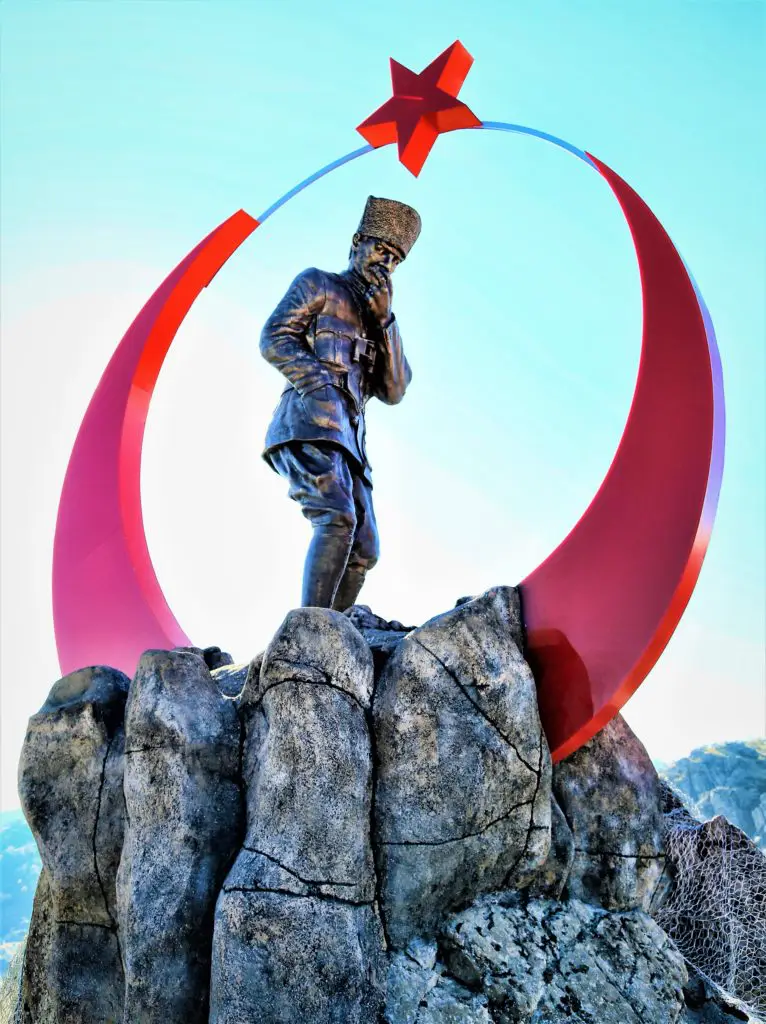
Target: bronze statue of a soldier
[[335, 339]]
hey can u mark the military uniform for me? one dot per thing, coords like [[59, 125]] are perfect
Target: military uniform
[[335, 357]]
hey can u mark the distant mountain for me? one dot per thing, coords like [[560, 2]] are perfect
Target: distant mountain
[[727, 779], [19, 870]]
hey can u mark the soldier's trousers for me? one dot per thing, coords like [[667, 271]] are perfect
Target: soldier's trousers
[[337, 501]]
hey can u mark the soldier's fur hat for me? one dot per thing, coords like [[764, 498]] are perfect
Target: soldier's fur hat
[[391, 221]]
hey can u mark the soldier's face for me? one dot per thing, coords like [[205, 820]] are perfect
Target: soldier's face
[[374, 259]]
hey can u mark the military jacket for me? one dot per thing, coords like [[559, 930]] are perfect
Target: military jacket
[[334, 360]]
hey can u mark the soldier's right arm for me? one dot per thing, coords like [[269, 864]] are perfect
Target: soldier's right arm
[[284, 336]]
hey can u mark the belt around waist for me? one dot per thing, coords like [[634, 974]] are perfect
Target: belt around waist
[[349, 383], [343, 350]]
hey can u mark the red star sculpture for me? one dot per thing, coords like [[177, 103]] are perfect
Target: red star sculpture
[[422, 107]]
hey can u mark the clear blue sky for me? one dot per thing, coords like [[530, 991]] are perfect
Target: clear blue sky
[[131, 128]]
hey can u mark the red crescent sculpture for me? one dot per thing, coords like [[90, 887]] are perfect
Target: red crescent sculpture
[[107, 604], [598, 612]]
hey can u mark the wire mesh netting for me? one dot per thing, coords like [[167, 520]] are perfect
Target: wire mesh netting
[[716, 909]]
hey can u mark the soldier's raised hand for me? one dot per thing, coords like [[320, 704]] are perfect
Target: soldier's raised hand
[[379, 296]]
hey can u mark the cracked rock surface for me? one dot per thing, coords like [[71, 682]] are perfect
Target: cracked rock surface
[[610, 794], [184, 813], [551, 877], [70, 785], [511, 961], [362, 825], [297, 937], [463, 793]]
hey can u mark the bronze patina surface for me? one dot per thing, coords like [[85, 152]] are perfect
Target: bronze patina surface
[[336, 340]]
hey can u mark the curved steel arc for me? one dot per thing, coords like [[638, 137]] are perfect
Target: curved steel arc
[[108, 606], [520, 129], [602, 607], [598, 611], [314, 177]]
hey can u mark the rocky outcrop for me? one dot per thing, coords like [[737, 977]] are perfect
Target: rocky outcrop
[[514, 960], [462, 803], [297, 937], [184, 812], [548, 959], [708, 1004], [726, 779], [231, 679], [552, 876], [382, 635], [70, 785], [609, 792], [361, 824]]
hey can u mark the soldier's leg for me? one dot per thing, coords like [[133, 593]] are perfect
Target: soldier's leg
[[321, 482], [365, 550]]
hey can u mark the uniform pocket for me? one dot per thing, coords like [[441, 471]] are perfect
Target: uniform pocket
[[326, 348]]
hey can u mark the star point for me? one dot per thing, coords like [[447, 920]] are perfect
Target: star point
[[422, 107]]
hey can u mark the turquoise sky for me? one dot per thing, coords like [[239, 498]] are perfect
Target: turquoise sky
[[130, 128]]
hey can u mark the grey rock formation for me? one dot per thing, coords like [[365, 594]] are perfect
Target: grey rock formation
[[383, 636], [10, 987], [276, 814], [213, 657], [184, 811], [707, 1004], [609, 792], [421, 991], [727, 779], [551, 878], [70, 785], [231, 679], [512, 961], [283, 958], [216, 658], [463, 792], [297, 937]]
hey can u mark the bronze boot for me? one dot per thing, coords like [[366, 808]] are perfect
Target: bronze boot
[[325, 565]]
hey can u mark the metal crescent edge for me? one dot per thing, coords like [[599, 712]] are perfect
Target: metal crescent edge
[[107, 604], [602, 607]]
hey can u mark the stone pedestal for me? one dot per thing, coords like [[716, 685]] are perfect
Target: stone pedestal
[[297, 936], [185, 822]]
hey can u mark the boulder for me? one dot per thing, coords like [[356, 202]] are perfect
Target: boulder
[[610, 794], [185, 823], [216, 658], [707, 1004], [297, 936], [511, 959], [463, 797], [213, 657], [421, 991], [70, 786], [541, 961]]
